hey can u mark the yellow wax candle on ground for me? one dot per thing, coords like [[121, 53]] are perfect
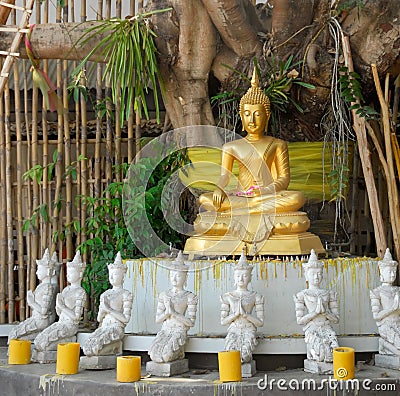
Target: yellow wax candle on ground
[[343, 363], [230, 366], [68, 358], [128, 368], [19, 352]]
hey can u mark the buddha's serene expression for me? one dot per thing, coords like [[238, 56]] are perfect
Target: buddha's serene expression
[[388, 274], [254, 118], [242, 277], [314, 276]]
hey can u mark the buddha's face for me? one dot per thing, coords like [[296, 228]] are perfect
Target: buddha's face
[[314, 276], [116, 276], [388, 274], [254, 118]]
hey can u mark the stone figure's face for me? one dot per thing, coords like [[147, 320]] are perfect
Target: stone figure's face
[[116, 277], [254, 118], [314, 276], [42, 272], [177, 278], [242, 278], [388, 274], [73, 274]]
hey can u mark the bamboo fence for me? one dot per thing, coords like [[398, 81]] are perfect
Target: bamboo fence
[[32, 136], [77, 138]]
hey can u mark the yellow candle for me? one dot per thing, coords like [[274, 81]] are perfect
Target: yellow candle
[[19, 352], [128, 368], [230, 366], [343, 363], [68, 358]]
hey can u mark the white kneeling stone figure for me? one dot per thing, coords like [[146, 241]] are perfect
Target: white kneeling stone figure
[[176, 310], [316, 311], [115, 309], [69, 307], [237, 309], [385, 304], [42, 300]]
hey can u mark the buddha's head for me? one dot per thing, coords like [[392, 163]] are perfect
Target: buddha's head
[[254, 108], [387, 268]]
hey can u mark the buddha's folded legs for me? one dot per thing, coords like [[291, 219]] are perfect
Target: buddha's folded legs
[[281, 202]]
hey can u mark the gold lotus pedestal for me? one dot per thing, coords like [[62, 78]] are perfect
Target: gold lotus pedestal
[[217, 234]]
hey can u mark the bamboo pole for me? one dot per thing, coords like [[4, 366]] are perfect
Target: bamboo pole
[[58, 166], [35, 188], [9, 208], [3, 216], [131, 120], [83, 166], [83, 11], [394, 209], [67, 150], [109, 139], [360, 130], [83, 151], [131, 140], [45, 236], [99, 97], [138, 129], [5, 11], [28, 202], [20, 171]]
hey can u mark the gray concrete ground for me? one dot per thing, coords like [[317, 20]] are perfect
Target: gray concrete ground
[[41, 379]]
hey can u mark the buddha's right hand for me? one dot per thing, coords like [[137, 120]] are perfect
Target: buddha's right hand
[[218, 198]]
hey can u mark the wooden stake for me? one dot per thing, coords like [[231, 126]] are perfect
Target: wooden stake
[[394, 209], [360, 130]]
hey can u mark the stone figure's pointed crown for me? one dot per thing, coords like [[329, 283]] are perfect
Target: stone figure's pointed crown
[[242, 264], [117, 264], [387, 260], [46, 261], [255, 95], [178, 264], [77, 262], [313, 261]]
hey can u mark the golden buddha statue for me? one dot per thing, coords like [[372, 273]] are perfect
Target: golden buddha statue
[[260, 212]]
